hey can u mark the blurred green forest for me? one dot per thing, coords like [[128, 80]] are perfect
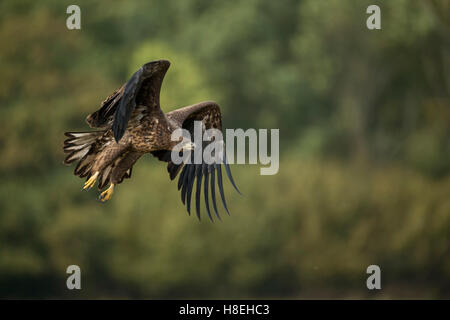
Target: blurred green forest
[[364, 119]]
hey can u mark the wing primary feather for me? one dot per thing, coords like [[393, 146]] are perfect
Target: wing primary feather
[[220, 184], [191, 178], [227, 169], [213, 191], [205, 190], [199, 174], [181, 178], [185, 184], [126, 105]]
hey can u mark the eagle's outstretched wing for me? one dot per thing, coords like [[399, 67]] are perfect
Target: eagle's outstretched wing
[[209, 114], [142, 88], [127, 104], [103, 117]]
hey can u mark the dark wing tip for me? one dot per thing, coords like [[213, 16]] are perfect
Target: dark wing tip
[[205, 191], [230, 177], [190, 186], [213, 191], [118, 127], [126, 105], [220, 184], [199, 174]]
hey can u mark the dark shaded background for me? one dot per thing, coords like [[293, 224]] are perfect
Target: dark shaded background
[[364, 119]]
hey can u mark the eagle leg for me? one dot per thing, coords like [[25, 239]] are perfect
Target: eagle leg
[[91, 181], [107, 194]]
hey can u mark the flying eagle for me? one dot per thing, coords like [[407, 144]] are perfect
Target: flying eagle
[[130, 123]]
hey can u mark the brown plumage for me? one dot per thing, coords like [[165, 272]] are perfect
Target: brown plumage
[[131, 123]]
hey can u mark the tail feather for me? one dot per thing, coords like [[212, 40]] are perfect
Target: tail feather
[[84, 166], [84, 147], [78, 145]]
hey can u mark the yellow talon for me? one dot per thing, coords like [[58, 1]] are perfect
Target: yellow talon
[[107, 194], [91, 181]]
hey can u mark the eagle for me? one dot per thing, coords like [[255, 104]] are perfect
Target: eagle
[[130, 123]]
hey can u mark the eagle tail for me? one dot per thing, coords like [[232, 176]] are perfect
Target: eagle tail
[[84, 148], [81, 147]]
